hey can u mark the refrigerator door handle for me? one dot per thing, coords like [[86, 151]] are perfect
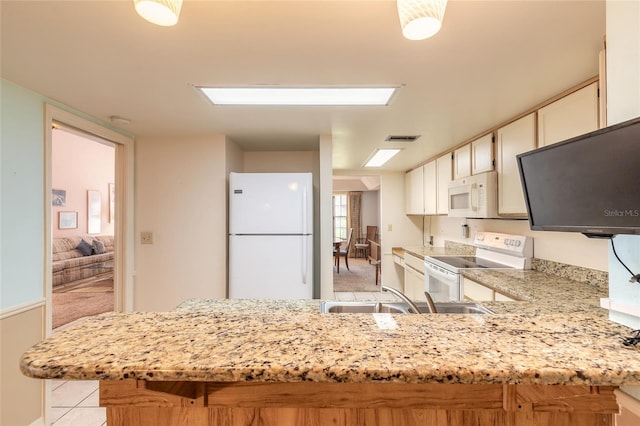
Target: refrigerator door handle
[[304, 260], [305, 225]]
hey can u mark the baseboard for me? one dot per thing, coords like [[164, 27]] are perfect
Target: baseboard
[[38, 422]]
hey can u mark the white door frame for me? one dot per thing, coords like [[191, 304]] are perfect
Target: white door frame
[[123, 230]]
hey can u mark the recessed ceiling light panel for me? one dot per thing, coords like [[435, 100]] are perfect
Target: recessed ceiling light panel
[[304, 96], [381, 156]]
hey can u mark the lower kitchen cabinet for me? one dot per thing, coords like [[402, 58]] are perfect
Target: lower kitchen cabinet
[[148, 403], [475, 291], [414, 281]]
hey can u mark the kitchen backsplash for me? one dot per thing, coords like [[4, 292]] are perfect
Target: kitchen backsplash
[[466, 249], [577, 273]]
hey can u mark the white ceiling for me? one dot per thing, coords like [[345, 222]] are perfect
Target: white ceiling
[[491, 61]]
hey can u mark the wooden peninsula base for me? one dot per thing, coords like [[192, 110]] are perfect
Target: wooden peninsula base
[[143, 403]]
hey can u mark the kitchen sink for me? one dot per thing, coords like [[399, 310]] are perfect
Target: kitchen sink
[[339, 307]]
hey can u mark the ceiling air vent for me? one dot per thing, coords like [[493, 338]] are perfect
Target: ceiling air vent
[[402, 138]]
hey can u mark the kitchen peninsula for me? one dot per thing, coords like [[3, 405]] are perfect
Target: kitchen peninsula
[[230, 362]]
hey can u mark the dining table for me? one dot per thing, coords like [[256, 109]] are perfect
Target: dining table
[[336, 253]]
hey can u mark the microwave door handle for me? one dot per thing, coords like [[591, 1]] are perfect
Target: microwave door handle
[[474, 199]]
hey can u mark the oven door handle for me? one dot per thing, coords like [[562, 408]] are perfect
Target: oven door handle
[[434, 271]]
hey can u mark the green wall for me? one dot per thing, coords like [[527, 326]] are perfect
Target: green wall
[[21, 195]]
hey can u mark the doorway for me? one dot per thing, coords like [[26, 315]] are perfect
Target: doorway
[[356, 208], [123, 216], [82, 222]]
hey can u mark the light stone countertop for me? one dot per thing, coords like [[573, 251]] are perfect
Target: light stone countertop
[[533, 341], [298, 346]]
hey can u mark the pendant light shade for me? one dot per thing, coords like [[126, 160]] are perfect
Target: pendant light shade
[[159, 12], [421, 19]]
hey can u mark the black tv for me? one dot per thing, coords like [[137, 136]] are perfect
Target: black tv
[[588, 184]]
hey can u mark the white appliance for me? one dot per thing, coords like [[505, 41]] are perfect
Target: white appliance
[[493, 251], [474, 196], [270, 236]]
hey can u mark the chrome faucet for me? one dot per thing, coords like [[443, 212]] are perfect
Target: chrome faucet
[[398, 293], [430, 304]]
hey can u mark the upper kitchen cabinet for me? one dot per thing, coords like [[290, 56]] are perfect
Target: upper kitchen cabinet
[[427, 187], [430, 188], [443, 173], [462, 162], [569, 116], [414, 192], [474, 157], [482, 154], [513, 139]]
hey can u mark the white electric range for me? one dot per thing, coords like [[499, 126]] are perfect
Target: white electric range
[[493, 251]]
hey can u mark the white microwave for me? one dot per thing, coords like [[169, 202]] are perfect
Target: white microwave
[[474, 196]]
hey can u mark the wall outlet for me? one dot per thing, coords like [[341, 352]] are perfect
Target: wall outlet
[[389, 227], [146, 238]]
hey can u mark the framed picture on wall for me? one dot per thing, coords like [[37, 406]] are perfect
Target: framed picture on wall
[[58, 197], [94, 212], [67, 220], [112, 202]]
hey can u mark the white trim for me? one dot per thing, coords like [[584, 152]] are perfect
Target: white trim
[[619, 307], [38, 422], [18, 309]]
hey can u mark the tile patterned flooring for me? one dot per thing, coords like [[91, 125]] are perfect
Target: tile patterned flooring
[[75, 403]]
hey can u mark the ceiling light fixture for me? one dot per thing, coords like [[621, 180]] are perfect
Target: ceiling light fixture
[[306, 96], [421, 19], [159, 12], [381, 156]]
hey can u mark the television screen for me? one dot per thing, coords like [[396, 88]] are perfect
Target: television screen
[[588, 184]]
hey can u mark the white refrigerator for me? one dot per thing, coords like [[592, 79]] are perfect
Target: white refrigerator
[[270, 236]]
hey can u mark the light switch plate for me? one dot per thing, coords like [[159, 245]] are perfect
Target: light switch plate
[[146, 238]]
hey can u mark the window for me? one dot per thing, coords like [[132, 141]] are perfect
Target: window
[[340, 216]]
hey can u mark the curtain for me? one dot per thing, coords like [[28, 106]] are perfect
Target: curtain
[[354, 219]]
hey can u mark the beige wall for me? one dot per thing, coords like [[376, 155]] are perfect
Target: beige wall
[[281, 161], [405, 230], [180, 196], [20, 397], [80, 164]]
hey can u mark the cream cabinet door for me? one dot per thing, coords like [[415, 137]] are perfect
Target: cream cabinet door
[[414, 192], [513, 139], [462, 162], [569, 116], [430, 188], [499, 297], [476, 291], [482, 154], [413, 283], [443, 166]]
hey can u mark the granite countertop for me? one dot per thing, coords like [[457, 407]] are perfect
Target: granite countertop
[[556, 334], [298, 346], [218, 340], [539, 293]]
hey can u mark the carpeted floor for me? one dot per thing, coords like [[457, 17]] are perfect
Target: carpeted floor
[[361, 276], [80, 302]]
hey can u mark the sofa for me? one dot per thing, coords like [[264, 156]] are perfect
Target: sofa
[[81, 259]]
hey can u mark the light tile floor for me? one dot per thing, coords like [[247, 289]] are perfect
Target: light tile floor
[[75, 402]]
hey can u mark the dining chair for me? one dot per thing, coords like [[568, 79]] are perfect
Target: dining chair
[[362, 244], [375, 258], [344, 252]]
